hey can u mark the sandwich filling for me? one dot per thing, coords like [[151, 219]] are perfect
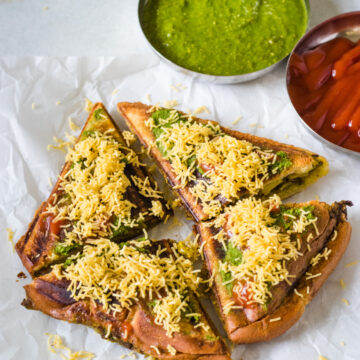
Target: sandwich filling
[[217, 167], [120, 275], [259, 239]]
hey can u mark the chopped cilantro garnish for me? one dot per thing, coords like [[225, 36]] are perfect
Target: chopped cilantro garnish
[[226, 276], [64, 250], [233, 255], [191, 160], [87, 133], [211, 338], [68, 262], [282, 162], [98, 113], [286, 222], [160, 114]]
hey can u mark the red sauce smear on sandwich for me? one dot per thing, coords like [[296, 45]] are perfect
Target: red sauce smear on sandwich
[[47, 224], [324, 86], [125, 330], [242, 296]]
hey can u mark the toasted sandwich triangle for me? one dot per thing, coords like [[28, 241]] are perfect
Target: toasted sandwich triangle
[[132, 327], [299, 169], [320, 246], [37, 247]]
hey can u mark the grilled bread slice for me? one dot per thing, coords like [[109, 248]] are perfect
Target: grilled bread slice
[[211, 166], [269, 260], [127, 189], [126, 316]]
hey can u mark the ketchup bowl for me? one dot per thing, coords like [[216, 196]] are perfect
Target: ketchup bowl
[[323, 81]]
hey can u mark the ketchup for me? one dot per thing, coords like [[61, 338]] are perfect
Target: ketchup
[[242, 295], [125, 330], [324, 86], [47, 224]]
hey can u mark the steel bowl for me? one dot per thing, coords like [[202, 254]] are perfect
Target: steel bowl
[[343, 25], [214, 79]]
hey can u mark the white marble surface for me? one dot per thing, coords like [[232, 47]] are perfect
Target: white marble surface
[[110, 28], [94, 27]]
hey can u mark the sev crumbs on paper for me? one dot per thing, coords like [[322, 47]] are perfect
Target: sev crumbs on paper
[[56, 346], [201, 109], [72, 125], [88, 105], [10, 236]]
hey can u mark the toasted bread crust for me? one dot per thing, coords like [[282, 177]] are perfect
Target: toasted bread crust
[[237, 326], [34, 247], [135, 115]]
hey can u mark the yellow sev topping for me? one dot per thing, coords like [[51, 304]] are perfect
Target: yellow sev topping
[[229, 166], [95, 186], [261, 246], [117, 275]]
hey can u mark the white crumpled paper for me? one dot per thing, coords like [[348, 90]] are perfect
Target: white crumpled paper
[[25, 166]]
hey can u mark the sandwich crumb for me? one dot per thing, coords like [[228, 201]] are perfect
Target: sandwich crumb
[[174, 88], [253, 125], [237, 120], [310, 276], [342, 284], [71, 138], [171, 350], [58, 103], [129, 137], [322, 357], [33, 106], [176, 203], [260, 126], [201, 109], [345, 301], [114, 92], [148, 98], [10, 236], [351, 263], [342, 343], [72, 125], [45, 8], [170, 103], [88, 105], [155, 348], [181, 86], [56, 346], [286, 136], [275, 319], [334, 235]]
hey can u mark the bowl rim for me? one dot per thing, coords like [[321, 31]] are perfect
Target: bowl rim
[[218, 79], [304, 38]]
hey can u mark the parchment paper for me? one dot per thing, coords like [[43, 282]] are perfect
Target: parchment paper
[[25, 166]]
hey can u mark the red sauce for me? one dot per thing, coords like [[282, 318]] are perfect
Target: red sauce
[[242, 295], [324, 86], [47, 224], [125, 330]]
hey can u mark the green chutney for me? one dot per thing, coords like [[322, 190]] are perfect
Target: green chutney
[[224, 37]]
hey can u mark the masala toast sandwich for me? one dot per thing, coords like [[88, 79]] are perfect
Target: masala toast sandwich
[[102, 191], [211, 166], [140, 293], [269, 259]]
